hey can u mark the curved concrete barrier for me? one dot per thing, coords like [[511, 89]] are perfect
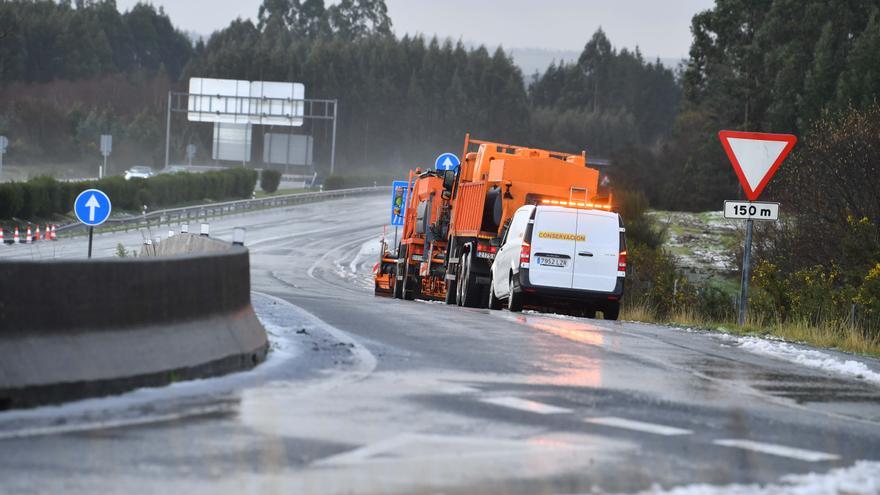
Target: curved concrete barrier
[[80, 328]]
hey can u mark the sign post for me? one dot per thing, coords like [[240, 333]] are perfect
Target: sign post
[[755, 156], [3, 144], [106, 148], [190, 154], [92, 207]]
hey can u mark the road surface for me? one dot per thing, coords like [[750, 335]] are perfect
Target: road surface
[[371, 395]]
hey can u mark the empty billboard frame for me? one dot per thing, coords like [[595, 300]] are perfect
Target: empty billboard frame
[[246, 103], [229, 101]]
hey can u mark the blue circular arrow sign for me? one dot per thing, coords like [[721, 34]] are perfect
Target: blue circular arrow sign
[[447, 161], [92, 207]]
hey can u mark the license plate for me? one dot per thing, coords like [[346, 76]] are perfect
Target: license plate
[[558, 262]]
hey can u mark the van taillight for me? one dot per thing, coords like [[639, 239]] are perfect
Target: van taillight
[[525, 253], [487, 248], [621, 262]]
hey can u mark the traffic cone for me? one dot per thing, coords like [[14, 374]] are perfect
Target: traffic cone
[[30, 236], [37, 235], [15, 238], [2, 241], [52, 236]]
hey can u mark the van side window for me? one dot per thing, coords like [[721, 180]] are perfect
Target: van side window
[[518, 226]]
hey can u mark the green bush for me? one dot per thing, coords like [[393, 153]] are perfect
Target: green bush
[[43, 197], [270, 180], [351, 181]]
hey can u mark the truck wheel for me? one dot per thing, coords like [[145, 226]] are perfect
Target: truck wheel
[[515, 299], [611, 310], [470, 294], [397, 286], [410, 285], [494, 302]]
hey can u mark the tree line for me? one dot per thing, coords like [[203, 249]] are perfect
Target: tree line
[[402, 99]]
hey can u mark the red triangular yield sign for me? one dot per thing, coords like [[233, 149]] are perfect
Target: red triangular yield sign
[[755, 157]]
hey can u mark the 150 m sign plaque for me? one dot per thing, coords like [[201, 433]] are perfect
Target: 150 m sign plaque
[[747, 210]]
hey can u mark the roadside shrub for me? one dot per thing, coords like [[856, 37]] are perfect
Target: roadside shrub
[[270, 180], [43, 197], [350, 181]]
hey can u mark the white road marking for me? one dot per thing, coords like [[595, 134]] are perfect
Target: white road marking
[[777, 450], [118, 423], [526, 405], [629, 424]]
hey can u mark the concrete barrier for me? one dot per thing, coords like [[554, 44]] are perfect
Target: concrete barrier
[[80, 328]]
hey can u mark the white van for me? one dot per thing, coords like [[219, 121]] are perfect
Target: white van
[[561, 258]]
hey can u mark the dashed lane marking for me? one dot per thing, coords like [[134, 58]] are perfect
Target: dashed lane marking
[[777, 450], [526, 405], [641, 426]]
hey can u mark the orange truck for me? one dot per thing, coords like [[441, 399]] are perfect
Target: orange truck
[[454, 219]]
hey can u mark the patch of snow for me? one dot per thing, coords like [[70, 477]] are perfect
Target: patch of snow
[[862, 478], [806, 357]]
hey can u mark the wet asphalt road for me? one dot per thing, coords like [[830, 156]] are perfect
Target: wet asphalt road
[[372, 395]]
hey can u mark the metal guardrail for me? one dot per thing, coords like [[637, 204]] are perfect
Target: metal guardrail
[[211, 210]]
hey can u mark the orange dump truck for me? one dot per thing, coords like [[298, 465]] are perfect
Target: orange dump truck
[[454, 220]]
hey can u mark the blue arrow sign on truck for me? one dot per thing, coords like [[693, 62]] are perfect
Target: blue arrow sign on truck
[[92, 207], [447, 161]]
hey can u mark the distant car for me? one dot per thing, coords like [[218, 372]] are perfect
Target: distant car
[[139, 172], [174, 169]]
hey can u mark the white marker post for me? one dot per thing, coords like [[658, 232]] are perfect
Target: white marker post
[[4, 142], [755, 157], [106, 148]]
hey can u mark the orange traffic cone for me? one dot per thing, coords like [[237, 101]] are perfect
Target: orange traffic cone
[[30, 236], [51, 233], [15, 238], [2, 241], [54, 236], [37, 235]]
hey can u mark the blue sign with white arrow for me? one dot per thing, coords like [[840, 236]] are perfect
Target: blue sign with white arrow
[[92, 207], [447, 161]]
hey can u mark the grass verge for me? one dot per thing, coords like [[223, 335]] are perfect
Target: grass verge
[[829, 335]]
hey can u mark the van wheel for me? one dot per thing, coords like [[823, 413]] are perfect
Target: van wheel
[[494, 302], [470, 296], [515, 299], [611, 310]]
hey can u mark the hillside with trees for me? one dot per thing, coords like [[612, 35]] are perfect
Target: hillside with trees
[[402, 100]]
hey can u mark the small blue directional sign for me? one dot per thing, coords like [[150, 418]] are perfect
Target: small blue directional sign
[[399, 190], [447, 161], [92, 207]]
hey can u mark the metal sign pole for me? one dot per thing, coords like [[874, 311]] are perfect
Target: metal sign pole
[[168, 132], [91, 233], [2, 152], [747, 261], [395, 237], [103, 169], [333, 139]]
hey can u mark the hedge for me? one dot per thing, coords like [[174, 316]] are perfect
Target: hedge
[[43, 197], [350, 181], [270, 180]]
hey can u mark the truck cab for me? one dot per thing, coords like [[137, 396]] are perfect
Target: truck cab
[[560, 257]]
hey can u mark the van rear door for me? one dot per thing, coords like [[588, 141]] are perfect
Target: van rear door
[[552, 247], [596, 251]]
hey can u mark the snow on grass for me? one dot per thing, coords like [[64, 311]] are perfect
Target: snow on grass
[[862, 478], [780, 349]]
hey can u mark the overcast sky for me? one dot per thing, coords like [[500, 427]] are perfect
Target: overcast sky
[[660, 28]]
